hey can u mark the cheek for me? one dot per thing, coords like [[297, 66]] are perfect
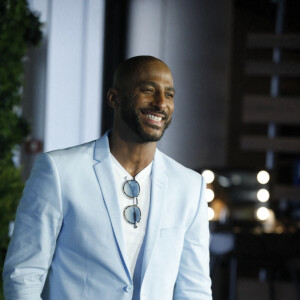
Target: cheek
[[171, 108], [135, 102], [128, 105]]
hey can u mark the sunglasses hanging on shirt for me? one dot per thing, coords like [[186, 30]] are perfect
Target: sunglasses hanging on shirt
[[132, 213]]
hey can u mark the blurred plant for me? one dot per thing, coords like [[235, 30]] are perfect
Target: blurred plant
[[19, 29]]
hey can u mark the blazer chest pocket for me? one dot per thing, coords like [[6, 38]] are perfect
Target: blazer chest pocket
[[169, 248], [171, 232]]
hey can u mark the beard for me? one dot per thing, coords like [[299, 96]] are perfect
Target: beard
[[131, 118]]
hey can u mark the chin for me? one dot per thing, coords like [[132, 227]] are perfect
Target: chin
[[145, 133], [151, 133], [147, 137]]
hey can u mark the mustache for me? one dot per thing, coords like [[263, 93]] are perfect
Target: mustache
[[153, 110]]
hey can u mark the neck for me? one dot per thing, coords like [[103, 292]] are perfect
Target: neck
[[133, 156]]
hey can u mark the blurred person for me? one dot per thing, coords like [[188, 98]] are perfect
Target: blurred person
[[114, 218]]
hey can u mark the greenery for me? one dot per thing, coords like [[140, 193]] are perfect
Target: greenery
[[19, 29]]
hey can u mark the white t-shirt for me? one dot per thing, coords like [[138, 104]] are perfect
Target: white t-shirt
[[133, 236]]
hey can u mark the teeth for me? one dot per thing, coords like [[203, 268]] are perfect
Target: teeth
[[154, 118]]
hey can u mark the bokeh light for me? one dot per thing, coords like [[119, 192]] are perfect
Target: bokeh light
[[210, 195], [262, 213], [209, 176], [263, 177], [263, 195], [211, 213]]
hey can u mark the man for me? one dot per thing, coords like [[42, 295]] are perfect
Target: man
[[114, 218]]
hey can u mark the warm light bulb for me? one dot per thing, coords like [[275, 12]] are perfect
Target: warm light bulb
[[209, 176], [211, 213], [210, 195], [263, 195], [262, 213], [263, 177]]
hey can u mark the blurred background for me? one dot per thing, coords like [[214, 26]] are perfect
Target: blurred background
[[236, 68]]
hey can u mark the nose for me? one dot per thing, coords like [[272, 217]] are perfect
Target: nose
[[159, 100]]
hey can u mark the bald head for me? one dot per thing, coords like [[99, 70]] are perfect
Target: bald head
[[142, 97], [128, 69]]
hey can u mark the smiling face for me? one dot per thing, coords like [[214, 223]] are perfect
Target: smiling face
[[144, 102]]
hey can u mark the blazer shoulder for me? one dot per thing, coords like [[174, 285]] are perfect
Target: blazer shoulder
[[180, 171], [81, 151]]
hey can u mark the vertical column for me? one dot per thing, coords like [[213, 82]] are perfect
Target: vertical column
[[74, 70]]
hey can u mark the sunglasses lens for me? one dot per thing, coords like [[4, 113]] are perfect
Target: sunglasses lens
[[131, 188], [132, 214]]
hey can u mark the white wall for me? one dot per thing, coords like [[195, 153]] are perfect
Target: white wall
[[74, 73], [193, 38], [63, 76]]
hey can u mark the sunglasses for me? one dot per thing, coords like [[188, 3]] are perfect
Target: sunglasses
[[132, 213]]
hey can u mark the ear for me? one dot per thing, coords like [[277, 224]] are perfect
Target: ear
[[112, 97]]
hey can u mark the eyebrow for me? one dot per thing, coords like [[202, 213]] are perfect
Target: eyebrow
[[170, 89]]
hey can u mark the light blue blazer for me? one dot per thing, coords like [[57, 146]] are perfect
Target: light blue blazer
[[68, 244]]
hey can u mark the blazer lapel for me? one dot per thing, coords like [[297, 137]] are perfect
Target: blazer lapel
[[105, 176], [158, 194]]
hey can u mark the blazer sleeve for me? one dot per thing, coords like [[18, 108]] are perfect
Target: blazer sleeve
[[37, 225], [193, 280]]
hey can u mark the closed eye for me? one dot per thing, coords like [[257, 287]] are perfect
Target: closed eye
[[147, 90], [169, 95]]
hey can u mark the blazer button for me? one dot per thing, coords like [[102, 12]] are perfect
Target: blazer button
[[128, 289]]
